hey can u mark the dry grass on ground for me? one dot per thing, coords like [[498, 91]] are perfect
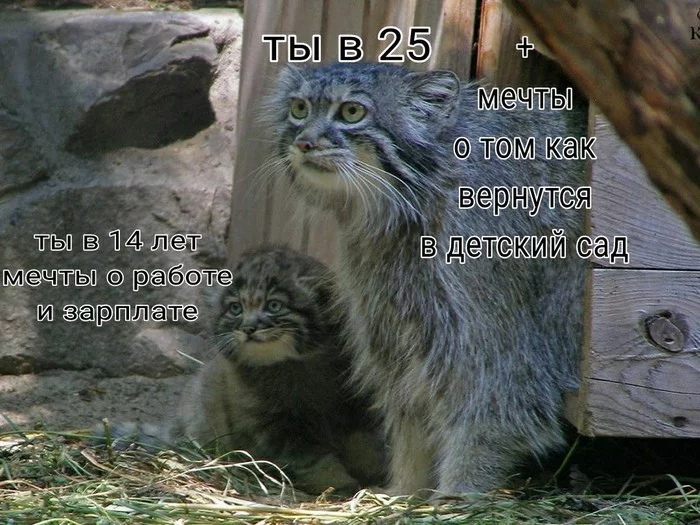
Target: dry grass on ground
[[57, 478]]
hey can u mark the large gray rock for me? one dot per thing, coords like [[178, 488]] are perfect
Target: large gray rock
[[112, 121], [99, 210], [20, 163], [97, 81]]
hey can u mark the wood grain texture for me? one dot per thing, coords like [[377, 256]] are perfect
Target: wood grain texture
[[303, 18], [501, 63], [626, 203], [248, 200], [489, 51], [339, 18], [454, 46], [262, 211], [630, 411], [630, 386], [429, 14], [638, 62], [384, 13]]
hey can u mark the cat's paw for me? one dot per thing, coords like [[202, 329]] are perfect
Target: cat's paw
[[327, 472], [123, 435]]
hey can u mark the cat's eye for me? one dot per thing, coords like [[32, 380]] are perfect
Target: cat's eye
[[235, 308], [274, 306], [298, 108], [352, 112]]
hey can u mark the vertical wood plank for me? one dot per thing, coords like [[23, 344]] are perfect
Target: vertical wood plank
[[489, 40], [248, 201], [383, 13], [454, 47], [340, 18], [499, 34], [303, 18], [429, 14]]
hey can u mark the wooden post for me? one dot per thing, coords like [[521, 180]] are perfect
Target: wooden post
[[640, 370], [639, 61]]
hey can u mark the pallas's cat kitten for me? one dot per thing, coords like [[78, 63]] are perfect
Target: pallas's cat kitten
[[469, 361], [278, 386]]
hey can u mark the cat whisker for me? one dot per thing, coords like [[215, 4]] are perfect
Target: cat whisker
[[405, 184], [375, 171], [372, 188], [272, 162], [349, 180], [265, 174], [391, 192], [344, 177], [383, 186], [225, 343], [351, 170], [345, 173]]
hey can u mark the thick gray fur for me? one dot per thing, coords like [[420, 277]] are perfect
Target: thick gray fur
[[279, 385], [469, 362]]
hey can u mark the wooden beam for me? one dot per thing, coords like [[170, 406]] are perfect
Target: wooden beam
[[626, 203], [637, 381], [639, 61]]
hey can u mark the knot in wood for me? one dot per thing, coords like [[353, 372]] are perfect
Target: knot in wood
[[665, 333]]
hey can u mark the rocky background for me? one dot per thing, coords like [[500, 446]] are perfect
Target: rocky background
[[109, 121]]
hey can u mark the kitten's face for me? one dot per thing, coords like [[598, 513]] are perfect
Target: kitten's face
[[355, 137], [271, 313]]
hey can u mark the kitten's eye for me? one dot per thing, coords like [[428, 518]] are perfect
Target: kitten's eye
[[273, 306], [298, 108], [235, 308], [352, 112]]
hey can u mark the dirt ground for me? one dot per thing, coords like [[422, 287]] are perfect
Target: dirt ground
[[75, 400]]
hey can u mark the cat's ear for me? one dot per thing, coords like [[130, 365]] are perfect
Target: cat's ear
[[436, 92], [211, 303], [273, 107], [212, 295], [289, 77], [320, 286]]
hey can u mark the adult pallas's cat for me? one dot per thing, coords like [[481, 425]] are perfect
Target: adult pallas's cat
[[468, 360]]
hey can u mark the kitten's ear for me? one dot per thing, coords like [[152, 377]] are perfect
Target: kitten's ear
[[310, 283], [212, 295], [437, 92], [319, 286]]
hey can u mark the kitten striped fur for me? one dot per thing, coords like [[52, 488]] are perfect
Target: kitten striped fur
[[279, 386]]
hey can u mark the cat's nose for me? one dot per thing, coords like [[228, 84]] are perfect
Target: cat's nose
[[248, 330], [304, 145]]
